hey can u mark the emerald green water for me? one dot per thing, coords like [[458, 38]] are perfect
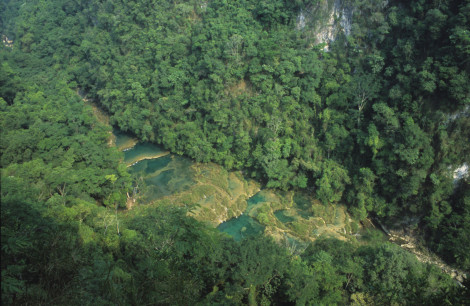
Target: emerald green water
[[141, 151], [303, 204], [162, 176], [149, 166], [241, 227], [122, 139], [281, 215], [167, 175], [257, 198], [244, 225]]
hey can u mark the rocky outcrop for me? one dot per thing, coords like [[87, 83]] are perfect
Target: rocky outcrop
[[7, 42], [461, 172], [326, 20], [410, 240]]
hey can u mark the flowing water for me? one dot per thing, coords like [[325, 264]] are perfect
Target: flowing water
[[244, 226], [241, 227], [281, 215], [142, 151], [123, 141], [181, 180], [257, 198], [164, 174], [225, 199]]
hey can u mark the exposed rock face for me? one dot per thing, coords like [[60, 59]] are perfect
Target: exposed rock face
[[450, 118], [458, 172], [301, 21], [461, 172], [7, 42], [346, 18], [410, 240], [326, 20]]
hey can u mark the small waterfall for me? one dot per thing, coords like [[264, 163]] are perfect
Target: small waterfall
[[460, 173], [301, 21]]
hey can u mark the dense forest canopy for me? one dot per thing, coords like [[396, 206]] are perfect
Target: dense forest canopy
[[378, 120]]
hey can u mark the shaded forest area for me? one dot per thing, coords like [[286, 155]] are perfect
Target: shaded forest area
[[378, 122]]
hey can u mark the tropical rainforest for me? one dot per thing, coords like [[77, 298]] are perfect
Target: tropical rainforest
[[377, 118]]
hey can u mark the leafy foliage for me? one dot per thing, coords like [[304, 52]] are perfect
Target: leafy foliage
[[376, 122]]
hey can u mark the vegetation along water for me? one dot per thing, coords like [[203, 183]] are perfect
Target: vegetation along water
[[213, 152]]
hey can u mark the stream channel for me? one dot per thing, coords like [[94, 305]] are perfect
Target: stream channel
[[230, 203], [226, 199], [236, 206], [167, 174]]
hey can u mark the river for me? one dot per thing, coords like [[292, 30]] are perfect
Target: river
[[236, 205], [227, 200]]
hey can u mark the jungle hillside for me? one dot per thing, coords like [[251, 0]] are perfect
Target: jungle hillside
[[364, 104]]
